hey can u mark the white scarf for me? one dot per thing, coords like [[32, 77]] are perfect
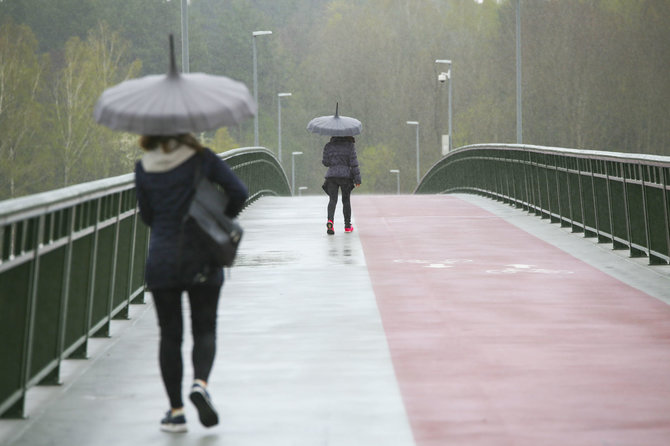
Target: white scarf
[[158, 161]]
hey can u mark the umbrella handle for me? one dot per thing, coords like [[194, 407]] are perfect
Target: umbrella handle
[[173, 65]]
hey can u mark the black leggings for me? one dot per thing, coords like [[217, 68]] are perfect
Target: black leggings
[[332, 187], [203, 301]]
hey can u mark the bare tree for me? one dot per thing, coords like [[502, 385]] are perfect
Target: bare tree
[[89, 67], [21, 77]]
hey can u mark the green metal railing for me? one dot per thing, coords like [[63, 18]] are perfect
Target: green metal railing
[[618, 198], [71, 261]]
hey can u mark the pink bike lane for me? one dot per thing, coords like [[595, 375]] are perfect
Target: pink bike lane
[[499, 338]]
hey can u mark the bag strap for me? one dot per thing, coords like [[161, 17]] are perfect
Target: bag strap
[[197, 177]]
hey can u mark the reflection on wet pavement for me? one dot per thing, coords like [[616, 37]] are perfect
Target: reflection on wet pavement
[[268, 258]]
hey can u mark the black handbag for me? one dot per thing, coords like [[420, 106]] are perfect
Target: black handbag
[[221, 233]]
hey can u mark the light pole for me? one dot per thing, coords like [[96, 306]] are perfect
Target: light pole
[[279, 96], [300, 189], [418, 175], [443, 77], [519, 128], [253, 40], [184, 36], [397, 172], [293, 154]]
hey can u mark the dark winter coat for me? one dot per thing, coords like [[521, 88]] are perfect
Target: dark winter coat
[[176, 255], [339, 156]]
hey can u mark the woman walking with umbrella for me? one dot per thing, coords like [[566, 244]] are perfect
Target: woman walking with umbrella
[[167, 109], [339, 155]]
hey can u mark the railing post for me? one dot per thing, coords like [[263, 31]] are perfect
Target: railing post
[[561, 220], [131, 263], [571, 205], [115, 259], [65, 293], [538, 200], [666, 212], [596, 213], [526, 183], [30, 313], [615, 243], [82, 351], [653, 259], [581, 200], [507, 193], [633, 252], [551, 217]]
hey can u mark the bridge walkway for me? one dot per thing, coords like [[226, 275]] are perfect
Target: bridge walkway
[[440, 320]]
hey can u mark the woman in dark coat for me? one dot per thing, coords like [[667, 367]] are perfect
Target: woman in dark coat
[[178, 262], [339, 156]]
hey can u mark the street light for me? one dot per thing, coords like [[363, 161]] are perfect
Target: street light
[[519, 128], [253, 40], [293, 154], [397, 172], [184, 36], [279, 96], [442, 78], [300, 189], [416, 123]]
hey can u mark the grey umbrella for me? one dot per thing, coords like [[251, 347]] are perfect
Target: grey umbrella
[[335, 125], [174, 103]]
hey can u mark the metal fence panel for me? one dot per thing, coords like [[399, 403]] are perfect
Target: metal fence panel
[[620, 198], [71, 260]]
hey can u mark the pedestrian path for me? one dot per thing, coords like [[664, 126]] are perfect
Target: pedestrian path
[[440, 320], [302, 358]]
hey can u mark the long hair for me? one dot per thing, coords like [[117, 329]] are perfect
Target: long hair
[[342, 139], [170, 142]]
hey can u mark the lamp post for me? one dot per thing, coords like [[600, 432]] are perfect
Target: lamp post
[[253, 40], [418, 175], [442, 77], [300, 189], [279, 96], [397, 172], [184, 36], [519, 128], [293, 154]]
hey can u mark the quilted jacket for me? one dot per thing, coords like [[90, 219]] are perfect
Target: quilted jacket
[[175, 253], [339, 156]]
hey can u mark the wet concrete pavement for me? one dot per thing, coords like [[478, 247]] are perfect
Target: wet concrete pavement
[[441, 320], [302, 358]]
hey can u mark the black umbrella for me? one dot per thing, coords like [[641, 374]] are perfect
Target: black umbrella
[[174, 103], [335, 125]]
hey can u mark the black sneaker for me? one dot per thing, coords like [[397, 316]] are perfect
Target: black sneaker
[[329, 225], [174, 424], [202, 402]]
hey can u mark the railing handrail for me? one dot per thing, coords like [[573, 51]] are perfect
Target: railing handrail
[[15, 209], [622, 198], [594, 154]]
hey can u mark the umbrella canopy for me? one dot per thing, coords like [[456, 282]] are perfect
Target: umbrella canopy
[[335, 125], [174, 103]]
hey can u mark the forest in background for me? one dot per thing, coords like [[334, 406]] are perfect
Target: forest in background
[[595, 76]]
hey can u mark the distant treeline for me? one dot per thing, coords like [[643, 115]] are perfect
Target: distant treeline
[[595, 76]]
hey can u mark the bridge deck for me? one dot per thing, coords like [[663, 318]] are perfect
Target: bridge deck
[[440, 320]]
